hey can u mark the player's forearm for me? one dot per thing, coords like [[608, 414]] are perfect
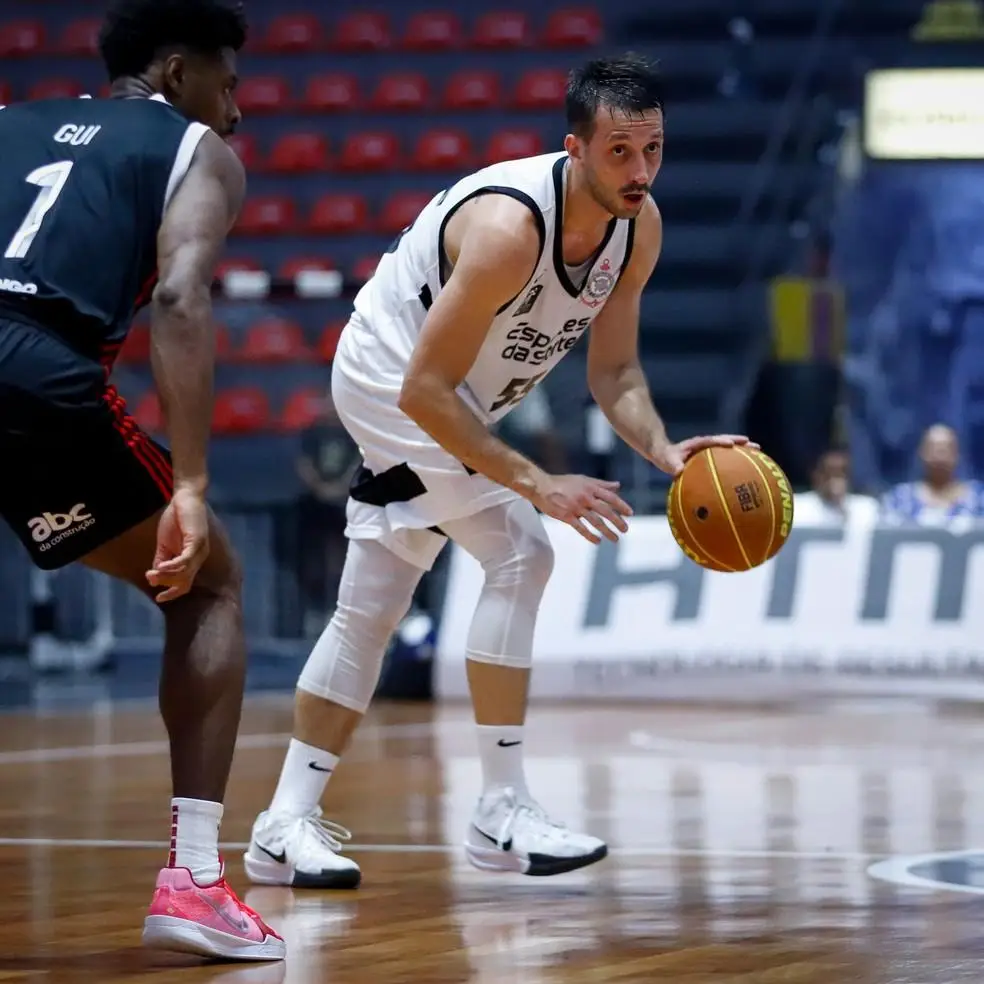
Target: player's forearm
[[183, 362], [440, 412], [624, 398]]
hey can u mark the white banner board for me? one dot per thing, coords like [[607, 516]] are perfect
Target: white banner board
[[891, 609]]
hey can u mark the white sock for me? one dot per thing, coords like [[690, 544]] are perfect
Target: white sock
[[195, 839], [303, 779], [501, 751]]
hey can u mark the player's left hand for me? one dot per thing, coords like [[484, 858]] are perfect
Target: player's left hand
[[182, 545], [671, 458]]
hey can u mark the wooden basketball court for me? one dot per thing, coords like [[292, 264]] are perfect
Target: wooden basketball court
[[742, 849]]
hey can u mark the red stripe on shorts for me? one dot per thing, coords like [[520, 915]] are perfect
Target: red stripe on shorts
[[149, 456]]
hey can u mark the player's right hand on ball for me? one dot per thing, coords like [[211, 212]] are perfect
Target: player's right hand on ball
[[182, 545], [586, 504]]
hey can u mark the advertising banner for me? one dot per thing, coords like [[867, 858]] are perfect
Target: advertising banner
[[863, 609], [924, 114]]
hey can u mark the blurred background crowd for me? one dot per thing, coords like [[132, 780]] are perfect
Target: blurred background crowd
[[821, 285]]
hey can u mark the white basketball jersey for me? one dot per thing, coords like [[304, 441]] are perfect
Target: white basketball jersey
[[530, 335]]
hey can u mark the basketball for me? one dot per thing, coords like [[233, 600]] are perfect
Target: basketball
[[730, 509]]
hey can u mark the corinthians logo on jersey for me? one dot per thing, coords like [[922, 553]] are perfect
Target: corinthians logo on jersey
[[599, 285]]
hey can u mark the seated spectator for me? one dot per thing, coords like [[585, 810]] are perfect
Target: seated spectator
[[831, 502], [940, 497]]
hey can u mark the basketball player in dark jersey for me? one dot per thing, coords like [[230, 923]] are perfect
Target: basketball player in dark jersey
[[106, 205]]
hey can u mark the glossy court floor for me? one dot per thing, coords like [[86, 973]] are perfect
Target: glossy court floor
[[804, 844]]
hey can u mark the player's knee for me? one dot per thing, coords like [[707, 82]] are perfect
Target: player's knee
[[222, 573], [345, 664], [377, 589], [528, 562]]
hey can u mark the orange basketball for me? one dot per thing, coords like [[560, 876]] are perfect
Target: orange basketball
[[730, 509]]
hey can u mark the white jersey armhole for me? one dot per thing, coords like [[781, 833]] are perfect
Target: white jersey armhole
[[182, 159]]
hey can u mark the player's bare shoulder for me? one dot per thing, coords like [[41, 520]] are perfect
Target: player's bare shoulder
[[646, 244], [498, 233], [216, 159], [649, 230]]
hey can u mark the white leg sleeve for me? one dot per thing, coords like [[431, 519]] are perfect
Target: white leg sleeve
[[512, 546], [375, 593]]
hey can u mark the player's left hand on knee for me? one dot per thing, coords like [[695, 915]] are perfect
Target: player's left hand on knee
[[672, 457], [182, 546]]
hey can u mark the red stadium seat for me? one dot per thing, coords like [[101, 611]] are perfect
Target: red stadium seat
[[240, 410], [502, 29], [80, 37], [334, 92], [274, 340], [299, 153], [328, 342], [336, 214], [293, 32], [362, 32], [572, 28], [263, 94], [541, 88], [364, 268], [148, 414], [266, 215], [401, 91], [401, 209], [22, 37], [246, 148], [472, 90], [375, 150], [55, 89], [136, 347], [6, 94], [303, 409], [509, 145], [432, 31], [442, 150], [295, 265]]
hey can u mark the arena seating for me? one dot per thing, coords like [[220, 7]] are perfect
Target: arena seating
[[355, 117]]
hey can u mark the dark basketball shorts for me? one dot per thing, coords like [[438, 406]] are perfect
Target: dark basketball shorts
[[74, 478]]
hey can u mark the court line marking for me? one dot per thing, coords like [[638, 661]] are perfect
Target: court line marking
[[128, 749], [630, 852], [897, 871]]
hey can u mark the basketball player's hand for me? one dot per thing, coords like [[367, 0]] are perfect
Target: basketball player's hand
[[584, 502], [672, 457], [182, 545]]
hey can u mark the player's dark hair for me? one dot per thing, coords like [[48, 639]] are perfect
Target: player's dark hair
[[135, 32], [627, 84]]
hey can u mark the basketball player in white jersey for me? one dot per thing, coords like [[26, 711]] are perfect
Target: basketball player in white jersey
[[476, 302]]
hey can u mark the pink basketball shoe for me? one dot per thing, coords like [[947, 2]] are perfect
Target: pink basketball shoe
[[207, 920]]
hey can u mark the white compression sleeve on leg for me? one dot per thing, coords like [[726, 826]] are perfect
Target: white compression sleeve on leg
[[375, 593], [512, 546]]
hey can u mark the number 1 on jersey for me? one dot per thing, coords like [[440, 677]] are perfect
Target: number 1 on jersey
[[50, 179]]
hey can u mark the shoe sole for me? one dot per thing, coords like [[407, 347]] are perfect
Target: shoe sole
[[185, 936], [274, 873], [535, 865]]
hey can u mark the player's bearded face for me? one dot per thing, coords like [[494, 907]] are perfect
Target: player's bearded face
[[621, 160]]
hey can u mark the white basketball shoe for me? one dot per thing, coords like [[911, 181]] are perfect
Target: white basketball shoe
[[302, 852], [513, 833]]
